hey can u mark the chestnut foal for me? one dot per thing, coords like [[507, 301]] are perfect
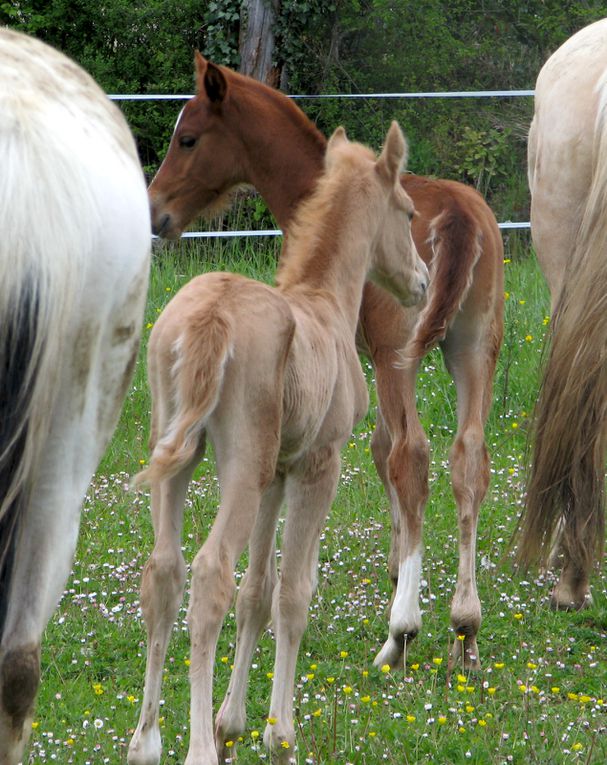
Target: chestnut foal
[[237, 130]]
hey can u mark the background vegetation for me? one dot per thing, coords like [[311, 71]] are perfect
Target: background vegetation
[[339, 46]]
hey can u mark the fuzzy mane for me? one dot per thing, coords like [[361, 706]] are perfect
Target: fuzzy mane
[[324, 219]]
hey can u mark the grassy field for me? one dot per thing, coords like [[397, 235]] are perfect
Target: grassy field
[[541, 696]]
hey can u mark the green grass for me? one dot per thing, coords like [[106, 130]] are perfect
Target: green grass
[[541, 695]]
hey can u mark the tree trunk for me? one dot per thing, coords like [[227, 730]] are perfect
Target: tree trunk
[[256, 43]]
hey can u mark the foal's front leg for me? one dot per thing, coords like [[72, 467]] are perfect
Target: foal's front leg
[[253, 610], [213, 588], [472, 369], [310, 490]]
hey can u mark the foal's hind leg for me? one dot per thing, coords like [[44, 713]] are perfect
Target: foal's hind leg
[[470, 358], [162, 587], [253, 610], [405, 477]]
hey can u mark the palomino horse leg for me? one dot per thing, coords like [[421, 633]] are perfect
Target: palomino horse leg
[[162, 585], [80, 429], [310, 489], [253, 611], [572, 591], [407, 486], [472, 365]]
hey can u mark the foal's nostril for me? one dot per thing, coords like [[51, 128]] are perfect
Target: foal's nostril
[[160, 227]]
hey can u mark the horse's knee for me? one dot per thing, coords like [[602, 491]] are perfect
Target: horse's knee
[[19, 680]]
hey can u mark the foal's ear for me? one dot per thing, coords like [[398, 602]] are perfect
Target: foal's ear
[[394, 155], [209, 79], [339, 138]]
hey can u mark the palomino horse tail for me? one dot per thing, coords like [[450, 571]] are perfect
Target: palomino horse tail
[[566, 487], [43, 243], [202, 354], [456, 244]]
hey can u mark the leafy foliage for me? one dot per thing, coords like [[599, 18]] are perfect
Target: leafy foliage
[[339, 46]]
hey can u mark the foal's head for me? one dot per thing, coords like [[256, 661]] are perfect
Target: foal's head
[[395, 263], [235, 130], [202, 162]]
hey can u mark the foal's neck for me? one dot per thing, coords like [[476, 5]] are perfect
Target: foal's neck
[[328, 253], [284, 151]]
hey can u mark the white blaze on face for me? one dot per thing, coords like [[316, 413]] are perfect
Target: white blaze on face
[[178, 120]]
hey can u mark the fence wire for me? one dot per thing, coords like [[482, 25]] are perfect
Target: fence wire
[[504, 225]]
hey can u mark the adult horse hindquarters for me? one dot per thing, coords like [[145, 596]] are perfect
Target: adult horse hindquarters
[[568, 182], [272, 377], [74, 260], [237, 130]]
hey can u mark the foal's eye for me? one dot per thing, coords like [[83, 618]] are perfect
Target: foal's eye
[[187, 142]]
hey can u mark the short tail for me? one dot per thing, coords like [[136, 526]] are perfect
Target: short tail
[[566, 487], [457, 246], [197, 377]]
